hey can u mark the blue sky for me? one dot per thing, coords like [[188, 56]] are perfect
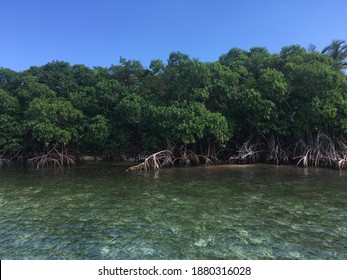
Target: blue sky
[[98, 33]]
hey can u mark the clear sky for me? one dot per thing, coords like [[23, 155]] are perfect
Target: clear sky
[[99, 32]]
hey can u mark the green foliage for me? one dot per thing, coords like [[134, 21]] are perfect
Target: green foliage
[[294, 53], [128, 72], [84, 76], [101, 110], [237, 60], [337, 50], [52, 120], [9, 79], [189, 122], [127, 120], [10, 126], [96, 134], [272, 85], [185, 79], [222, 86], [252, 112], [8, 103], [157, 66], [57, 75], [258, 59]]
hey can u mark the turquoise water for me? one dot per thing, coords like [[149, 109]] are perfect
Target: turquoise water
[[98, 211]]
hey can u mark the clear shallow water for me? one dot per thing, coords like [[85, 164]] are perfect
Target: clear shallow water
[[98, 211]]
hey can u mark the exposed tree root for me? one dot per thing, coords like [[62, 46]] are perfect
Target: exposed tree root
[[209, 159], [165, 158], [4, 161], [276, 154], [154, 161], [321, 152], [52, 158], [187, 158], [342, 150], [247, 153], [342, 163]]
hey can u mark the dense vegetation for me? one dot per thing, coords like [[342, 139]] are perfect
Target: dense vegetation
[[249, 106]]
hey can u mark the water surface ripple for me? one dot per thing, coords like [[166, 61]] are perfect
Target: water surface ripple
[[98, 211]]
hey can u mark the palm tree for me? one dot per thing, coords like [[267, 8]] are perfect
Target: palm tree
[[337, 50], [311, 48]]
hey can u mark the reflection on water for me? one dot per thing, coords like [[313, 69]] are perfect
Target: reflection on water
[[98, 211]]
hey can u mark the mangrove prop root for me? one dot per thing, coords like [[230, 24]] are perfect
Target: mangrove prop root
[[248, 153], [209, 160], [165, 158], [322, 151], [154, 161], [276, 153], [342, 149], [187, 158], [53, 157], [4, 161]]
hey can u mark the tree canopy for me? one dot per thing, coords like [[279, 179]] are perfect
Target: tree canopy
[[240, 108], [337, 50]]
